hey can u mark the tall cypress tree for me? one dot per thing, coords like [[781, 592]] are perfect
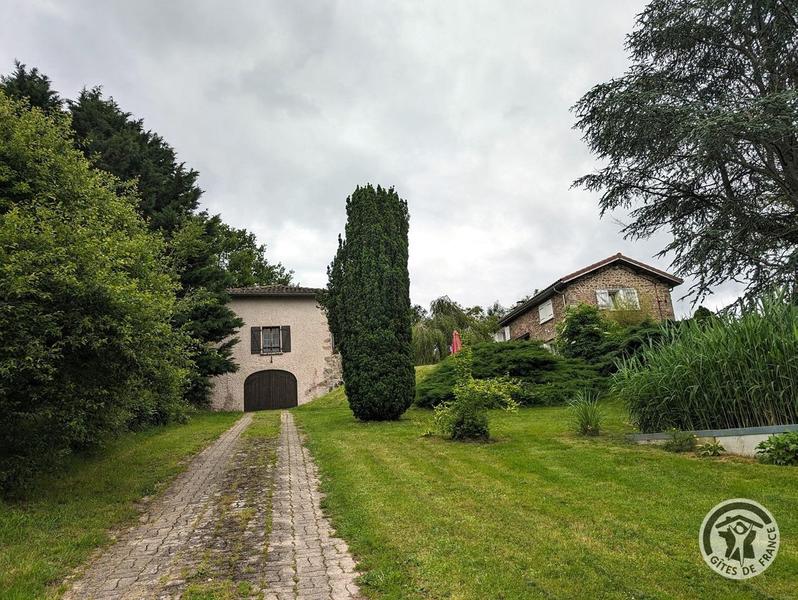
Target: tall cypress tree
[[368, 305]]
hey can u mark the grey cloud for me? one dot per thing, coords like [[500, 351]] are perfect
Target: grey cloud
[[284, 107]]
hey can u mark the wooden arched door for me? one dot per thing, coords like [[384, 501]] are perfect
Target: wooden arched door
[[270, 389]]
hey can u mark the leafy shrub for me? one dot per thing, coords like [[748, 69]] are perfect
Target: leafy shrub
[[624, 342], [465, 416], [583, 332], [781, 449], [707, 449], [680, 441], [723, 373], [86, 344], [544, 378], [585, 412]]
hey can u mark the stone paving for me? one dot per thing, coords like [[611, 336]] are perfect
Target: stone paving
[[210, 526], [133, 566], [305, 561]]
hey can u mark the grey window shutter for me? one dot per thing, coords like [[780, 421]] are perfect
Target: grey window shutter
[[255, 340], [285, 334]]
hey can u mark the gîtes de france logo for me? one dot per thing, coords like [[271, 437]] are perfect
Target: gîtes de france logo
[[739, 538]]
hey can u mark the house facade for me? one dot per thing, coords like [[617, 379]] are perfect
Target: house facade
[[285, 350], [617, 283]]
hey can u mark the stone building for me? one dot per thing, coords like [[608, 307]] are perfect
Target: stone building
[[617, 283], [285, 353]]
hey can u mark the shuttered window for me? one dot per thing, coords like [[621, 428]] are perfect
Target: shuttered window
[[603, 299], [618, 299], [626, 299], [546, 311], [271, 340]]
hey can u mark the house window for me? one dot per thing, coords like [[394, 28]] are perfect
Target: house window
[[271, 340], [503, 335], [546, 311], [618, 299]]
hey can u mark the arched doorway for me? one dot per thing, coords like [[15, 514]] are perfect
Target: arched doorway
[[270, 389]]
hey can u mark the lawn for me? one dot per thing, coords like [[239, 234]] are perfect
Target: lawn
[[68, 515], [537, 513]]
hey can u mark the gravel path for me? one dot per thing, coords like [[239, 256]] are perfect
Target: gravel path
[[207, 531]]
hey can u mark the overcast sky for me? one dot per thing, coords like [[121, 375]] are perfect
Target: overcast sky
[[284, 107]]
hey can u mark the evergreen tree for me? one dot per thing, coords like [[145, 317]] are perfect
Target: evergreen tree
[[116, 142], [32, 86], [700, 138], [207, 255], [368, 305]]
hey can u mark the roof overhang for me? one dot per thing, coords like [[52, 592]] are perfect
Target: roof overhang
[[274, 291]]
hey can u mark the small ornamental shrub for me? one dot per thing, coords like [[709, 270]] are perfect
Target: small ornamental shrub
[[543, 378], [781, 449], [466, 416], [680, 441], [585, 413], [707, 449]]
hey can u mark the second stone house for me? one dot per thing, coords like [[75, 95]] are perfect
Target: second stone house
[[617, 283]]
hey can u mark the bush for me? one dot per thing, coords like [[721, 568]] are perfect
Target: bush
[[583, 333], [781, 449], [86, 345], [724, 373], [543, 378], [586, 333], [623, 343], [707, 449], [586, 414], [465, 417], [680, 441]]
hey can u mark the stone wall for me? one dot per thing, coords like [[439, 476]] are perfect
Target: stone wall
[[311, 359], [654, 296], [529, 322]]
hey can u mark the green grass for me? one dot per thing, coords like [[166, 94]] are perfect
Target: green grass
[[67, 515], [538, 513]]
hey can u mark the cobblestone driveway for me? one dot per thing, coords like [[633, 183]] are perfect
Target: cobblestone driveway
[[210, 526]]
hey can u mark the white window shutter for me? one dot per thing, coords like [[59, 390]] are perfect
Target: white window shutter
[[629, 299], [603, 299], [546, 311]]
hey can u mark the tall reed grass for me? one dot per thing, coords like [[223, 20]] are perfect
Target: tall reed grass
[[734, 371]]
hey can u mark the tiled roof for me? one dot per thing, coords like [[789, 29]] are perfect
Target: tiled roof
[[274, 290], [549, 291]]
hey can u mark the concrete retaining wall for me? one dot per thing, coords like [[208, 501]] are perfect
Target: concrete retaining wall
[[742, 441]]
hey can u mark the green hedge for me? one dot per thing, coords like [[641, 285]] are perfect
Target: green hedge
[[546, 379]]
